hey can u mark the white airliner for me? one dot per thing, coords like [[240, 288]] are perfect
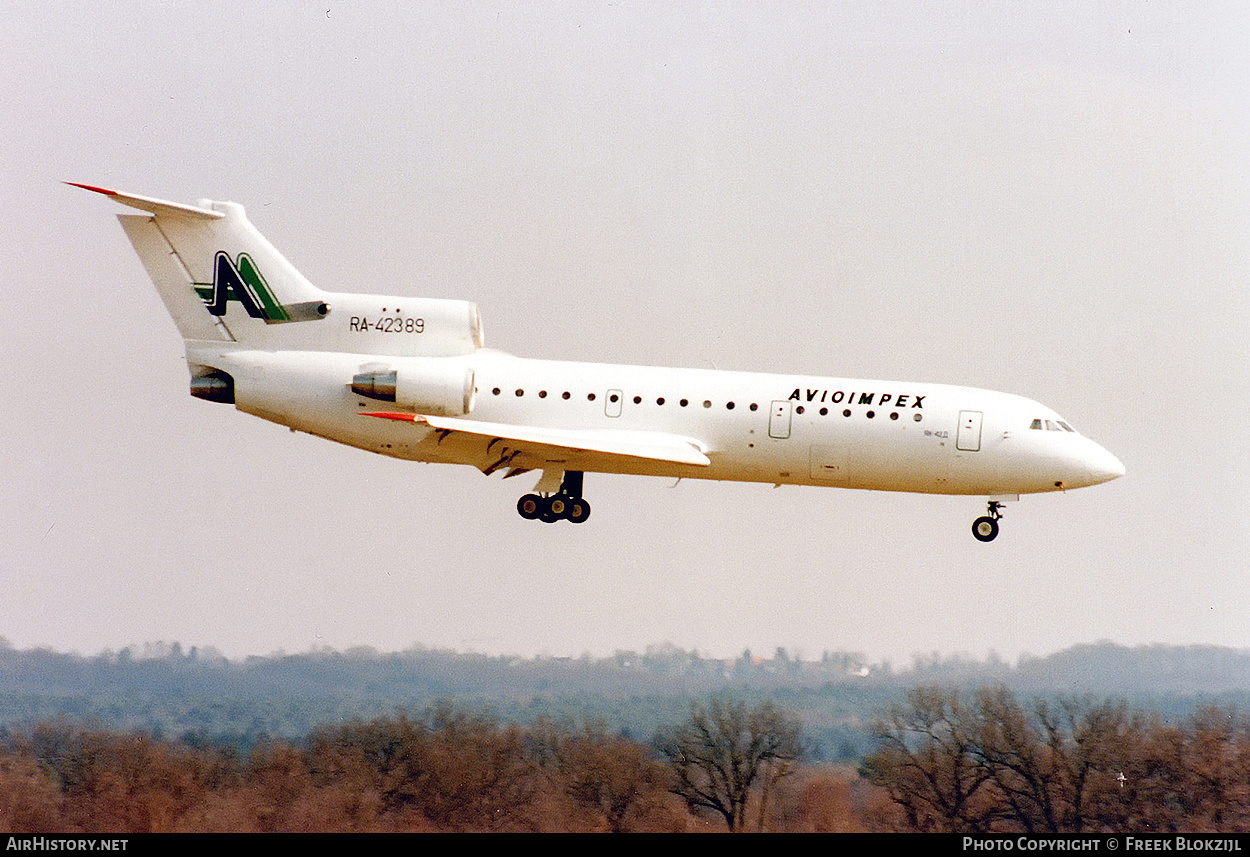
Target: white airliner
[[408, 377]]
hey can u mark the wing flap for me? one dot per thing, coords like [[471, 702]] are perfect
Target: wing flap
[[652, 446]]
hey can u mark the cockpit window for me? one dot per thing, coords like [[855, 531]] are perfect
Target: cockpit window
[[1050, 425]]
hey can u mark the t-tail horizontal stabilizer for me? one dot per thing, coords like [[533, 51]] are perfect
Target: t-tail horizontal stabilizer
[[156, 206]]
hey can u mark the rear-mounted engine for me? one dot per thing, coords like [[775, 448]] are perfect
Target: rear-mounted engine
[[215, 386], [426, 386]]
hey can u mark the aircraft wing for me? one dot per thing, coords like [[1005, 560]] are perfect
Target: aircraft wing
[[556, 444]]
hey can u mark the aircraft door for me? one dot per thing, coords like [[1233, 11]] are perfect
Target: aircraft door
[[612, 403], [779, 420], [969, 439]]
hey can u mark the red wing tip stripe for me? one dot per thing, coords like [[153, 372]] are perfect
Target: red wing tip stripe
[[388, 415], [102, 190]]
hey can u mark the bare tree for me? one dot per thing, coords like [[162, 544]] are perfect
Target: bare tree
[[726, 751], [617, 784], [1056, 765], [995, 765], [926, 765]]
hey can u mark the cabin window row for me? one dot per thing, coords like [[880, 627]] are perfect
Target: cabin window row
[[707, 403], [847, 412], [615, 397]]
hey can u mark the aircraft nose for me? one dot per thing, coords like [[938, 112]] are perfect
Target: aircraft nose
[[1102, 465]]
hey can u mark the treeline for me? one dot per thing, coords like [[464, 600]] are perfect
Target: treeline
[[985, 762], [197, 695], [446, 770], [665, 668], [945, 760]]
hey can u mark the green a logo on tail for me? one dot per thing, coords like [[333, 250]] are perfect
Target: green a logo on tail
[[240, 281]]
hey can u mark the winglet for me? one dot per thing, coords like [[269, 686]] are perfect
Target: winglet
[[156, 206]]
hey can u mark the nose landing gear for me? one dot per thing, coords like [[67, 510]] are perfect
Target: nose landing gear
[[985, 528], [566, 504]]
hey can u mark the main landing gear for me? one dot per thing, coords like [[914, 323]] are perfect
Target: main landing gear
[[566, 504], [985, 528]]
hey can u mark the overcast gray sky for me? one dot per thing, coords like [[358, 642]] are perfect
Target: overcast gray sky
[[1045, 198]]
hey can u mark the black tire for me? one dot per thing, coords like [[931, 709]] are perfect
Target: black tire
[[545, 513], [530, 506], [558, 506], [578, 511], [985, 529]]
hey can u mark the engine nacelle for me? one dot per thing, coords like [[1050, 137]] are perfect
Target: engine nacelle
[[433, 385], [213, 385]]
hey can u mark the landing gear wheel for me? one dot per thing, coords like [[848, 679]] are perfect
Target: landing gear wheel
[[530, 506], [578, 511], [566, 504], [547, 514], [985, 529]]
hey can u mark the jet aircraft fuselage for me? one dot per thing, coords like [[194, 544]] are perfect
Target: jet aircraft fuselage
[[410, 378]]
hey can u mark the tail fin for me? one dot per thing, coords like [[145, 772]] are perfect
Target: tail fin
[[218, 276]]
